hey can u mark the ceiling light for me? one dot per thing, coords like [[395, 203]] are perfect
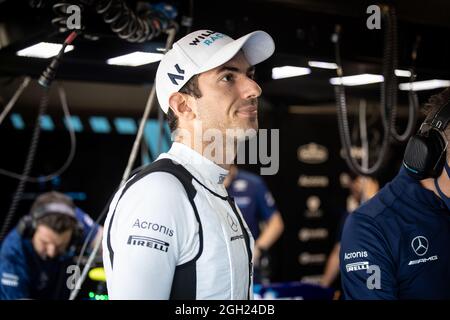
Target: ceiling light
[[357, 80], [289, 71], [135, 59], [402, 73], [323, 65], [43, 50], [424, 85]]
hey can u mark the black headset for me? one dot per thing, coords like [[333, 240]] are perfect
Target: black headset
[[425, 154], [28, 224]]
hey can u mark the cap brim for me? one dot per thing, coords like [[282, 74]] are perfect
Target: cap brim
[[257, 47]]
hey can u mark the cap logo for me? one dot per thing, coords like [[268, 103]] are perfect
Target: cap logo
[[175, 77], [206, 38]]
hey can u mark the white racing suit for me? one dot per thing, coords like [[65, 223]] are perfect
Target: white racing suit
[[172, 232]]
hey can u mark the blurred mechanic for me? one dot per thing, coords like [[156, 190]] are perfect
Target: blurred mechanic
[[35, 255]]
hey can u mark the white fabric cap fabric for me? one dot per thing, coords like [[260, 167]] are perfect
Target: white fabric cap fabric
[[204, 50]]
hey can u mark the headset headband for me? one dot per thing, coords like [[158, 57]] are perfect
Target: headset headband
[[54, 207]]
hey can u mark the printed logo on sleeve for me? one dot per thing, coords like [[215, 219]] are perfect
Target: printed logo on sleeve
[[357, 266], [153, 226], [148, 242], [10, 279], [355, 254]]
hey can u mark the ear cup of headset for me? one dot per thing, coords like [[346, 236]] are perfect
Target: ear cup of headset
[[25, 226], [77, 236], [424, 155]]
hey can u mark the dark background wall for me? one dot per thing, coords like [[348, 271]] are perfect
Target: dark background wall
[[302, 108]]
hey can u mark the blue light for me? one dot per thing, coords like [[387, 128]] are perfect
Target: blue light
[[145, 156], [75, 122], [47, 123], [17, 121], [167, 129], [56, 181], [125, 125], [152, 134], [100, 124], [78, 196]]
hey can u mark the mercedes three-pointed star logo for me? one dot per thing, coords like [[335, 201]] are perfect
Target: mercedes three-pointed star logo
[[233, 223], [420, 245]]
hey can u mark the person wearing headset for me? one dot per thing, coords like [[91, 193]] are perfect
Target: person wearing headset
[[395, 246], [35, 255]]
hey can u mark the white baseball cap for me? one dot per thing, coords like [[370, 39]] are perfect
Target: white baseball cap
[[204, 50]]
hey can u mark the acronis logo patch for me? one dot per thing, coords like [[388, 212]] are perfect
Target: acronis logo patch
[[206, 38]]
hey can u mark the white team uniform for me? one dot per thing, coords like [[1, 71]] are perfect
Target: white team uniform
[[152, 233]]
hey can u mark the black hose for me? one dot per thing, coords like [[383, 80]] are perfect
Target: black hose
[[391, 80], [45, 81], [127, 24], [388, 98], [131, 26], [344, 133], [28, 165], [343, 125]]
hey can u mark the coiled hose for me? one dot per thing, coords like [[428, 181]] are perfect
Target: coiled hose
[[131, 26], [388, 98]]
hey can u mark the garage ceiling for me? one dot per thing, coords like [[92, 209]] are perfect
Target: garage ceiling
[[301, 29]]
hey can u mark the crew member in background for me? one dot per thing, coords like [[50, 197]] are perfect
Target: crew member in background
[[35, 255], [258, 208], [396, 245]]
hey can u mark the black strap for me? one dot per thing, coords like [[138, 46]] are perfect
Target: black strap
[[184, 282], [183, 286], [247, 242]]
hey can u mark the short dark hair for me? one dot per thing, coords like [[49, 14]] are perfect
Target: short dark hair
[[172, 119], [58, 222], [434, 104], [191, 88], [55, 221]]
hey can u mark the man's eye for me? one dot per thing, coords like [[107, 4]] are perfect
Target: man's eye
[[227, 77], [251, 76]]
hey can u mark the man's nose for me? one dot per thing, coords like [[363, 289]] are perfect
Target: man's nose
[[51, 251], [251, 89]]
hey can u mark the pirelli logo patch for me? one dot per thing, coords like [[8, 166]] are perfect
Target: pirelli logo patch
[[357, 266], [148, 243]]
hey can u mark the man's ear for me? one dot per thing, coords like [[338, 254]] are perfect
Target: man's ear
[[179, 103]]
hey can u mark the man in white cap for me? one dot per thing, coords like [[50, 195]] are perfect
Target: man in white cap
[[172, 231]]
